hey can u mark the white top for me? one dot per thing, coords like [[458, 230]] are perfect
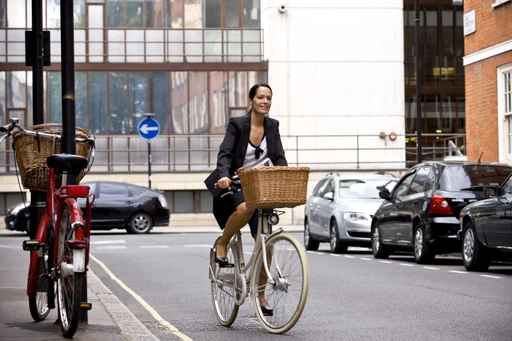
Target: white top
[[251, 153]]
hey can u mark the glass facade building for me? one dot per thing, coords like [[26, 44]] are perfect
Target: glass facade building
[[188, 61], [442, 73]]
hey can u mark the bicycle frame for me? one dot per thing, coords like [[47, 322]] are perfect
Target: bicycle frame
[[247, 271], [50, 222]]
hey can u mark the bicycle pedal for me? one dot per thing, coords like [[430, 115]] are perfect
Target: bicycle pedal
[[31, 245], [85, 306]]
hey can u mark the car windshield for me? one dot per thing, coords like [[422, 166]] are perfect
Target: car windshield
[[360, 189], [460, 177]]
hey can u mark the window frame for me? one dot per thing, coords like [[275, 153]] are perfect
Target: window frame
[[504, 93]]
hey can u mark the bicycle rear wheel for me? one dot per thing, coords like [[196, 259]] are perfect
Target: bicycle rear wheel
[[38, 303], [287, 294], [224, 288], [70, 284]]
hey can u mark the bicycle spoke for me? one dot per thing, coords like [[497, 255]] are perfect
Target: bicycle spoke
[[286, 292]]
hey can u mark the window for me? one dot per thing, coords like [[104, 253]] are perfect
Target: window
[[505, 104], [507, 187], [329, 188], [423, 181], [317, 188], [507, 101], [112, 191], [455, 178], [497, 3], [403, 186]]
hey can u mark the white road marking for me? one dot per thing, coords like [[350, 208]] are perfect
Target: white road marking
[[315, 252], [348, 256], [356, 248], [103, 242], [143, 303], [406, 264], [11, 247], [365, 258], [335, 255], [490, 276], [154, 246], [197, 245], [430, 268], [458, 272], [131, 327], [385, 262], [110, 247]]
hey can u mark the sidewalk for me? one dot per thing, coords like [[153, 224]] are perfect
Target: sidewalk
[[108, 320]]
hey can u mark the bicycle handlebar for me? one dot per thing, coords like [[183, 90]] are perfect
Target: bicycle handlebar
[[235, 185]]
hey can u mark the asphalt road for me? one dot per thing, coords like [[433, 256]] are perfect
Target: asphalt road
[[352, 296]]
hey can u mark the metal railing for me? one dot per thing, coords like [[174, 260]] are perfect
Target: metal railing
[[145, 45], [196, 153]]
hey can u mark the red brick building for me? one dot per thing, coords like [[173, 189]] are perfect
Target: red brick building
[[488, 72]]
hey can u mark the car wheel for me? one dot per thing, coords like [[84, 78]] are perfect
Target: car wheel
[[336, 245], [140, 223], [474, 254], [423, 252], [309, 243], [379, 250]]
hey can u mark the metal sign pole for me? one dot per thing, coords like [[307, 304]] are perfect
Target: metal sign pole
[[148, 128], [149, 164]]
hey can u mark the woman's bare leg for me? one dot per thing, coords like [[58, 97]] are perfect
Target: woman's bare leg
[[236, 221]]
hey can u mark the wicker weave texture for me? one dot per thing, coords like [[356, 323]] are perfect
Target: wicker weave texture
[[32, 152], [274, 187]]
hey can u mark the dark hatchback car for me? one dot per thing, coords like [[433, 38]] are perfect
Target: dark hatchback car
[[486, 229], [117, 205], [422, 212]]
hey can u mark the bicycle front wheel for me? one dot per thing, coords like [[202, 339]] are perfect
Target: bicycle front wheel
[[224, 287], [70, 284], [287, 289]]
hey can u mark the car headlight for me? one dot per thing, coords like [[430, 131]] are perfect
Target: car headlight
[[356, 217], [162, 201]]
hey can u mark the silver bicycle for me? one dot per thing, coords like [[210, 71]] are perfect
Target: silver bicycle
[[277, 269]]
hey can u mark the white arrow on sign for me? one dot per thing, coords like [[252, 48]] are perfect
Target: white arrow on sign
[[146, 128]]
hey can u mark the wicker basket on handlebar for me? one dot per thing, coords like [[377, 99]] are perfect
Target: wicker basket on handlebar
[[274, 187], [32, 150]]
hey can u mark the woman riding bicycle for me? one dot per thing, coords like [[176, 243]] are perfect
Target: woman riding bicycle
[[250, 141]]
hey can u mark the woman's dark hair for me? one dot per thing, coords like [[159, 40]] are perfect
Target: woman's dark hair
[[254, 88]]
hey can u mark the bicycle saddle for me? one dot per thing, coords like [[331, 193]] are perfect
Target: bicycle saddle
[[67, 163]]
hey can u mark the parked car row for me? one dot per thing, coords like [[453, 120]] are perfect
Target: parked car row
[[117, 205], [435, 207]]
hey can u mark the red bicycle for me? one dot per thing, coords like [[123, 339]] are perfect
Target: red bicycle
[[59, 253]]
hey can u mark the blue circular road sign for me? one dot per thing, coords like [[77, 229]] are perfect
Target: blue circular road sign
[[148, 128]]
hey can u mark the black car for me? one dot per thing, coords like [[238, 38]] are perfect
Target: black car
[[486, 229], [422, 212], [117, 205]]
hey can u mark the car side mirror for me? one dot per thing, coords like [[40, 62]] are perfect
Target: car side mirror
[[329, 196], [384, 194]]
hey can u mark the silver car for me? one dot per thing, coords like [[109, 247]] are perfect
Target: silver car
[[340, 210]]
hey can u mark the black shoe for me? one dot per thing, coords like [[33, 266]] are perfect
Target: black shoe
[[222, 261], [267, 311]]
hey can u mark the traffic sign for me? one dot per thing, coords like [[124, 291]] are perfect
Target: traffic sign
[[148, 128]]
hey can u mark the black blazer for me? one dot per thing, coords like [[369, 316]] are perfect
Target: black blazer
[[232, 151]]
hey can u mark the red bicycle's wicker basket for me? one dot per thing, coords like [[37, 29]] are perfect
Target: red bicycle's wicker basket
[[33, 149], [273, 187]]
